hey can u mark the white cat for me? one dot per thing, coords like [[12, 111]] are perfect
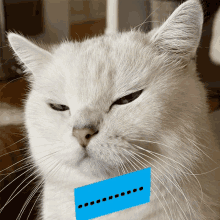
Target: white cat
[[118, 103]]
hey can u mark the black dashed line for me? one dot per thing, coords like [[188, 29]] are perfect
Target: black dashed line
[[110, 197]]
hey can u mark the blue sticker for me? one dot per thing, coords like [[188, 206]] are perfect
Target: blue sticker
[[112, 195]]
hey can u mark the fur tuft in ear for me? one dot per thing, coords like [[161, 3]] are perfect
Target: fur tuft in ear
[[32, 56], [180, 35]]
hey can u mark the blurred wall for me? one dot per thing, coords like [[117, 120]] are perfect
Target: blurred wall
[[60, 14], [84, 10], [56, 20], [134, 13]]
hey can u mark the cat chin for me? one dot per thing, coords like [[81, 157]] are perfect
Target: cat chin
[[93, 168], [86, 165]]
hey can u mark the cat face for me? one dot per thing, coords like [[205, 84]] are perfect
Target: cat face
[[91, 83], [102, 105]]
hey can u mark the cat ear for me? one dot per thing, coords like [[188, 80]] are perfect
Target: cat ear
[[180, 35], [32, 56]]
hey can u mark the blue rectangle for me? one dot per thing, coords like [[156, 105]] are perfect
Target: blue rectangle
[[114, 194]]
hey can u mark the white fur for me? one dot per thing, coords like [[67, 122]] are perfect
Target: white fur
[[169, 120]]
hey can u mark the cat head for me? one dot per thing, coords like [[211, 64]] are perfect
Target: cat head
[[100, 106]]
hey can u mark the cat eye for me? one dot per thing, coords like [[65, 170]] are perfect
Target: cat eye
[[58, 107], [128, 98]]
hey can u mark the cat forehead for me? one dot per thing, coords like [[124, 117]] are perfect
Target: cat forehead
[[104, 64], [126, 46]]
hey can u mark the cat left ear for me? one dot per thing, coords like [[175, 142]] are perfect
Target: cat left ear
[[32, 56], [180, 35]]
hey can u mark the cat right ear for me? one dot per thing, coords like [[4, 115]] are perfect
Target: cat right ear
[[32, 56], [180, 34]]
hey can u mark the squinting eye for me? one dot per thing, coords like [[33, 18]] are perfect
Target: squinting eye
[[58, 107], [128, 98]]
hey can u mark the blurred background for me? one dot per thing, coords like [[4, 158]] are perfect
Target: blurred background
[[50, 21]]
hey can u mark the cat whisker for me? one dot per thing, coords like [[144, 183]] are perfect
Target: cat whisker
[[218, 204], [174, 160], [147, 18], [118, 162], [8, 153], [26, 158], [28, 200], [40, 194], [32, 167], [130, 161], [132, 156], [120, 167], [121, 164], [178, 187], [26, 137], [15, 171], [160, 200], [13, 165], [147, 141], [13, 144], [153, 153], [16, 178], [37, 171], [195, 144], [135, 159], [202, 197], [34, 192], [10, 199], [144, 22]]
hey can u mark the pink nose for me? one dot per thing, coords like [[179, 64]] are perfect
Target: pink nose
[[84, 135]]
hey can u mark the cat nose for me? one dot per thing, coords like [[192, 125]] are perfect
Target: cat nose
[[84, 135]]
